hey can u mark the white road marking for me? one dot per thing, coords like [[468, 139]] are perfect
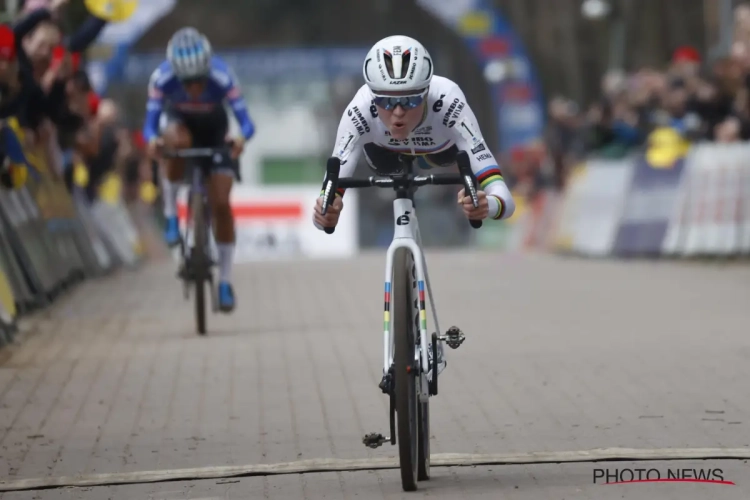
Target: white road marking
[[337, 464]]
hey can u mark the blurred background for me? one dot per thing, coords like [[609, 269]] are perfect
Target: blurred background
[[607, 116]]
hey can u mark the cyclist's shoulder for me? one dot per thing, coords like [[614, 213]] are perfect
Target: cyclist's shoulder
[[441, 87], [446, 101], [222, 73], [363, 97], [162, 75]]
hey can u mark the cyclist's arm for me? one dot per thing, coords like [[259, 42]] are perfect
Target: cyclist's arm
[[469, 138], [155, 105], [348, 147], [233, 95]]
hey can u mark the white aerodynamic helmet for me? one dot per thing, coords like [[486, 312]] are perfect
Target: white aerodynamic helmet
[[398, 63]]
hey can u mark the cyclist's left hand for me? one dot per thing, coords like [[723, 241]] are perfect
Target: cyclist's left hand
[[238, 145], [479, 213]]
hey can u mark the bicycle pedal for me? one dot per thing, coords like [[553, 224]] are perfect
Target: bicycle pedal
[[454, 337], [374, 440]]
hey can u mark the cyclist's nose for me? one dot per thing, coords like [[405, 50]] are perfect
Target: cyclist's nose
[[399, 111]]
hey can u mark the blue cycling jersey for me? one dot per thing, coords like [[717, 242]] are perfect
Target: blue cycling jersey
[[165, 88]]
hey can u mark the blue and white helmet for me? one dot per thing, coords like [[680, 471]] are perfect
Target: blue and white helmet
[[189, 52]]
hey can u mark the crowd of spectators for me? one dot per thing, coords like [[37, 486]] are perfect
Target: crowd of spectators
[[700, 99], [45, 87]]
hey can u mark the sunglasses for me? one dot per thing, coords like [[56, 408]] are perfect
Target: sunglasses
[[389, 102]]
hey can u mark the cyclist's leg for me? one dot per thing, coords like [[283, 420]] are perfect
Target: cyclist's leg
[[213, 134], [176, 135], [220, 187]]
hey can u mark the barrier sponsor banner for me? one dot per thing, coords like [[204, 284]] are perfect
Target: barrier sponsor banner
[[713, 210], [650, 206], [568, 210], [602, 194], [276, 223]]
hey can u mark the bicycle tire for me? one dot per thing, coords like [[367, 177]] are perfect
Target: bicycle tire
[[405, 371], [198, 259], [423, 410], [423, 469]]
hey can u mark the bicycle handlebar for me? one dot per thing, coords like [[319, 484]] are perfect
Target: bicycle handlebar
[[465, 177]]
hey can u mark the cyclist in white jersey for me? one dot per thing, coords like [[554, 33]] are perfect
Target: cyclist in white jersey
[[404, 111]]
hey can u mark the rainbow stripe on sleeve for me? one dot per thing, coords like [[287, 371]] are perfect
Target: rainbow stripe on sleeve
[[488, 175]]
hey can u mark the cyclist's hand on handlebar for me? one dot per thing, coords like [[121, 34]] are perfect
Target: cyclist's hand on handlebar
[[479, 213], [154, 148], [237, 144], [331, 218]]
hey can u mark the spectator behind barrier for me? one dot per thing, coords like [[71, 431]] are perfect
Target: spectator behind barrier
[[688, 100]]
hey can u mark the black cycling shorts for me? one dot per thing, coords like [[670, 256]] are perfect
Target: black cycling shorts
[[387, 162], [208, 130]]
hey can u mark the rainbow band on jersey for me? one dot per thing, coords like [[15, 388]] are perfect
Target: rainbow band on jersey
[[487, 176], [500, 207]]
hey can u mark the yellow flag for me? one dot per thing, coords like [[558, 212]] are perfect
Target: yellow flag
[[114, 11]]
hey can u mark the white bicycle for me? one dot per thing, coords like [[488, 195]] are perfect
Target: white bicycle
[[411, 362]]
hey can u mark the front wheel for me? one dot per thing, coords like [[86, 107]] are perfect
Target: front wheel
[[424, 441], [406, 370], [199, 259]]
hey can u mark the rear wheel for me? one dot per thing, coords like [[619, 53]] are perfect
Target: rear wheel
[[199, 259], [406, 370]]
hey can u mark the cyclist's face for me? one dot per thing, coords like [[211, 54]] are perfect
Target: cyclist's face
[[194, 88], [399, 121]]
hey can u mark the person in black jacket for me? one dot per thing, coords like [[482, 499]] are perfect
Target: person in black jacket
[[37, 34]]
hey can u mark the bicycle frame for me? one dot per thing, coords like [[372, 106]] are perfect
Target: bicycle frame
[[197, 184], [406, 235]]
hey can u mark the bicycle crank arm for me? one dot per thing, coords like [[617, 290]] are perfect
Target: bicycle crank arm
[[454, 337]]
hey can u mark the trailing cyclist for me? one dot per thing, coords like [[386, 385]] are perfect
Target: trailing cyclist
[[191, 87], [404, 111]]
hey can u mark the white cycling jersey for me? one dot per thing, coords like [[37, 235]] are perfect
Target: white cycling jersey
[[448, 126]]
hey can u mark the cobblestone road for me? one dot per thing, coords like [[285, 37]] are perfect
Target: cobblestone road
[[561, 355]]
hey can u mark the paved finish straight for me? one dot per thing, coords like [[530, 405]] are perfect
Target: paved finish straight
[[561, 354]]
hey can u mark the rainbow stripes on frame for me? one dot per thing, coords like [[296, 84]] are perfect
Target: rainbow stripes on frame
[[422, 313], [387, 307], [387, 314]]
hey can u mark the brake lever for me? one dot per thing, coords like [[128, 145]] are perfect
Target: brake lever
[[333, 166], [470, 183]]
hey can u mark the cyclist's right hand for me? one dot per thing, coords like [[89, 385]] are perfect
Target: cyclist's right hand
[[331, 218], [154, 148]]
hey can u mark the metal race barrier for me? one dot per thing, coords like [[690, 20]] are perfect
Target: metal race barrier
[[50, 240], [697, 205]]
